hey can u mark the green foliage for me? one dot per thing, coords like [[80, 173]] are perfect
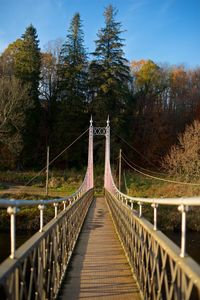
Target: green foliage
[[169, 218], [2, 186], [8, 59], [109, 70], [28, 218], [141, 186], [22, 60], [72, 68], [70, 115], [148, 106], [151, 83], [21, 177], [28, 69], [28, 60]]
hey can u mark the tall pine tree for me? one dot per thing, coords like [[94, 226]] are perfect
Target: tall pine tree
[[73, 64], [72, 89], [21, 61], [28, 61], [109, 70], [27, 69]]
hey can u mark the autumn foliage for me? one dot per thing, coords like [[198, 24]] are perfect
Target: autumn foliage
[[183, 159], [58, 89]]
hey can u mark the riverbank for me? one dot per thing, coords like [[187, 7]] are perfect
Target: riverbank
[[169, 218], [61, 184], [13, 185]]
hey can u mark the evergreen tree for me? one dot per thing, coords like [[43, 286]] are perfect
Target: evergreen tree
[[27, 69], [73, 64], [22, 61], [28, 61], [109, 71], [72, 88]]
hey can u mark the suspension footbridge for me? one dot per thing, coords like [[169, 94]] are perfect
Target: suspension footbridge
[[99, 247]]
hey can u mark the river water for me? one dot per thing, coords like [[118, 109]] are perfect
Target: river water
[[5, 243], [193, 243]]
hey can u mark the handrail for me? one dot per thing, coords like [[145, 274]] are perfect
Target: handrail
[[183, 204], [154, 259], [41, 262], [190, 201], [13, 206], [20, 202]]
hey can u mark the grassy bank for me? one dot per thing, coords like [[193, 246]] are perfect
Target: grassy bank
[[12, 185], [169, 218], [65, 183]]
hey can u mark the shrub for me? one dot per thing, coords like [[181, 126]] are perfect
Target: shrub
[[183, 160]]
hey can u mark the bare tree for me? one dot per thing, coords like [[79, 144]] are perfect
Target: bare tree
[[49, 74], [14, 104], [184, 159]]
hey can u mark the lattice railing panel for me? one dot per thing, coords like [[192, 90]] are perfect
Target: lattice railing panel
[[40, 264], [161, 273]]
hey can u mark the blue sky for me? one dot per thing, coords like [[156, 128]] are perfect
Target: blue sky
[[166, 31]]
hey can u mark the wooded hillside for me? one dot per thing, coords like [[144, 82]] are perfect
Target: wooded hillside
[[47, 98]]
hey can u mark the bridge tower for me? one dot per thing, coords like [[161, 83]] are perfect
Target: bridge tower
[[90, 172], [107, 172]]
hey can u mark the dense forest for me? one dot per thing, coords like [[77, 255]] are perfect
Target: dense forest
[[47, 98]]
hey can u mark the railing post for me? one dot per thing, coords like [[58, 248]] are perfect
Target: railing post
[[64, 205], [183, 209], [140, 209], [41, 208], [155, 206], [12, 212], [56, 210], [131, 205], [47, 172], [120, 168]]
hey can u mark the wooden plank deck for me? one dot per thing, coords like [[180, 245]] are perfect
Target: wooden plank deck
[[99, 269]]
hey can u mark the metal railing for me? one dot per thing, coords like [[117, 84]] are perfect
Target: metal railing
[[36, 269], [155, 261], [13, 207], [162, 269], [183, 205]]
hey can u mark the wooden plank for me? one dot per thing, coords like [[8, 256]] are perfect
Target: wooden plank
[[99, 269]]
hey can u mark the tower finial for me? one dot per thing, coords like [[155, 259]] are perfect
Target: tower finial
[[108, 121]]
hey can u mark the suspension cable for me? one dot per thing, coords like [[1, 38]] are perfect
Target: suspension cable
[[137, 166], [134, 149], [157, 178], [55, 158]]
